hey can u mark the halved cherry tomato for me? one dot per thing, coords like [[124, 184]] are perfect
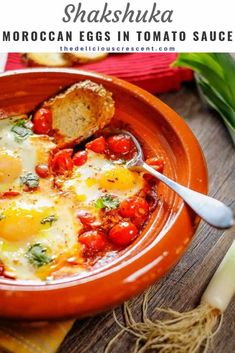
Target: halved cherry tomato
[[80, 158], [98, 145], [123, 233], [42, 170], [86, 218], [62, 162], [42, 121], [134, 207], [93, 240], [156, 163], [120, 144]]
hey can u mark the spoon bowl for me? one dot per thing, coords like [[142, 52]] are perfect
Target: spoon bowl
[[212, 211]]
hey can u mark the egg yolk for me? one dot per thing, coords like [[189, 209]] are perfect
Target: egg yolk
[[20, 223], [118, 178], [10, 167]]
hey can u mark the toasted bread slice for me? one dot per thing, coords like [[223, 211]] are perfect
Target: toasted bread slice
[[46, 59], [86, 57], [80, 111]]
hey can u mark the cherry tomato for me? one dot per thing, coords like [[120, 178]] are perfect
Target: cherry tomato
[[42, 170], [139, 221], [93, 240], [62, 162], [86, 218], [157, 163], [80, 158], [42, 121], [27, 189], [123, 233], [134, 207], [98, 145], [119, 144], [9, 194]]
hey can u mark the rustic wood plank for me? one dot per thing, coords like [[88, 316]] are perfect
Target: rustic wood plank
[[182, 287]]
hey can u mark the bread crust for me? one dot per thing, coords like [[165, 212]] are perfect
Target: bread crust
[[60, 59], [46, 59], [80, 111], [83, 58]]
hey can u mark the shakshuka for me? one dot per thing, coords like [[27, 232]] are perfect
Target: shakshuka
[[63, 211]]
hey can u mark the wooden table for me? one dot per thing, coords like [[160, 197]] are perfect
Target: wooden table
[[182, 287]]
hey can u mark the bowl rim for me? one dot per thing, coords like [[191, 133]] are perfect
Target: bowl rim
[[189, 142]]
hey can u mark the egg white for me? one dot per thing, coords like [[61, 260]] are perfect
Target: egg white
[[57, 238], [62, 234], [85, 180], [30, 151], [78, 191]]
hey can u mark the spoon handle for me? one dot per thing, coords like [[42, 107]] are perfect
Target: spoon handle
[[214, 212]]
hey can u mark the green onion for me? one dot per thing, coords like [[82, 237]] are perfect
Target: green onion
[[184, 332], [221, 288], [216, 79]]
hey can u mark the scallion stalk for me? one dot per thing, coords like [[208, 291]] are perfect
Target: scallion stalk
[[221, 288], [187, 331], [216, 80]]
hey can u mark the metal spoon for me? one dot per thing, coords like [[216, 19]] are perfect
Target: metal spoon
[[214, 212]]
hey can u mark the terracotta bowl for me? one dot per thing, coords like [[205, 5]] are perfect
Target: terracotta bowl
[[169, 230]]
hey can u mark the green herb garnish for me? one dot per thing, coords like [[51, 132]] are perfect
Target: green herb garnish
[[109, 202], [22, 129], [216, 79], [37, 255], [31, 180], [49, 219]]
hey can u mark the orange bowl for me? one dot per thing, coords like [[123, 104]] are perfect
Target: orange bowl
[[170, 229]]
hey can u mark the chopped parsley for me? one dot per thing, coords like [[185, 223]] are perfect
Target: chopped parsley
[[22, 129], [30, 179], [37, 255], [49, 219], [109, 202]]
